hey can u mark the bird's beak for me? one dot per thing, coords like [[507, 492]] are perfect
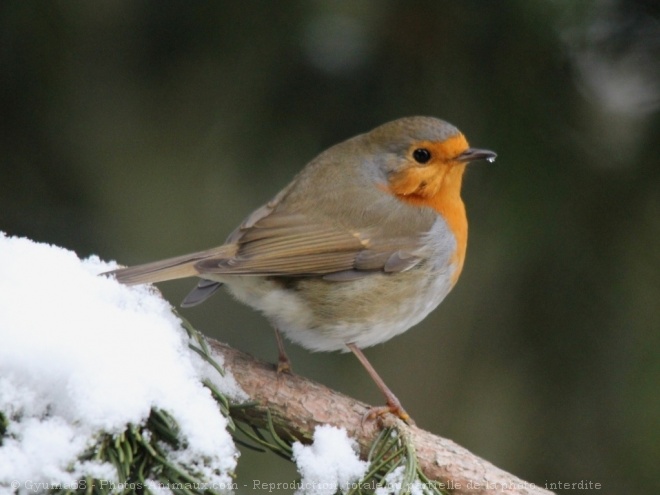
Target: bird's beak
[[474, 154]]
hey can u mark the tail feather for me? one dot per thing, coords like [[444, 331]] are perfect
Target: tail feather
[[203, 290], [169, 269]]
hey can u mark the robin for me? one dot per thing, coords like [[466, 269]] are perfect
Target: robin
[[363, 244]]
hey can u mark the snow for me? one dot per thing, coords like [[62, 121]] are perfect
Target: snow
[[331, 462], [393, 483], [81, 354]]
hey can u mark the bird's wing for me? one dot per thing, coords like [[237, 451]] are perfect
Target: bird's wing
[[275, 241], [296, 244]]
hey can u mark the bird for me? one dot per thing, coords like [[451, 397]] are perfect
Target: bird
[[364, 242]]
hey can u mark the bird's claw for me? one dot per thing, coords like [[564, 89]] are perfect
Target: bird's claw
[[284, 366], [378, 412]]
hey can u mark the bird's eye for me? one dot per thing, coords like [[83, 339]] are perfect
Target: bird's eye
[[421, 155]]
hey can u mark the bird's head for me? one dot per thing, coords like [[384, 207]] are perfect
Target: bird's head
[[424, 157]]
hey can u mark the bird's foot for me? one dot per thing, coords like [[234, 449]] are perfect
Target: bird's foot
[[284, 365], [392, 407]]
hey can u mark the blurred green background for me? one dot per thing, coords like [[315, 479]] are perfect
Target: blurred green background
[[138, 130]]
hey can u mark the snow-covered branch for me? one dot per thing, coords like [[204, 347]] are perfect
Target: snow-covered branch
[[102, 386], [297, 405]]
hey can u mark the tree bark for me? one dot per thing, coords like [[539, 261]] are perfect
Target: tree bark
[[297, 405]]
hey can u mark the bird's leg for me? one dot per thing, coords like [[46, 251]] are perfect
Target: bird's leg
[[393, 405], [283, 361]]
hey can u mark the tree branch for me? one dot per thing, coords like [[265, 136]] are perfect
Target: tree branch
[[297, 405]]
